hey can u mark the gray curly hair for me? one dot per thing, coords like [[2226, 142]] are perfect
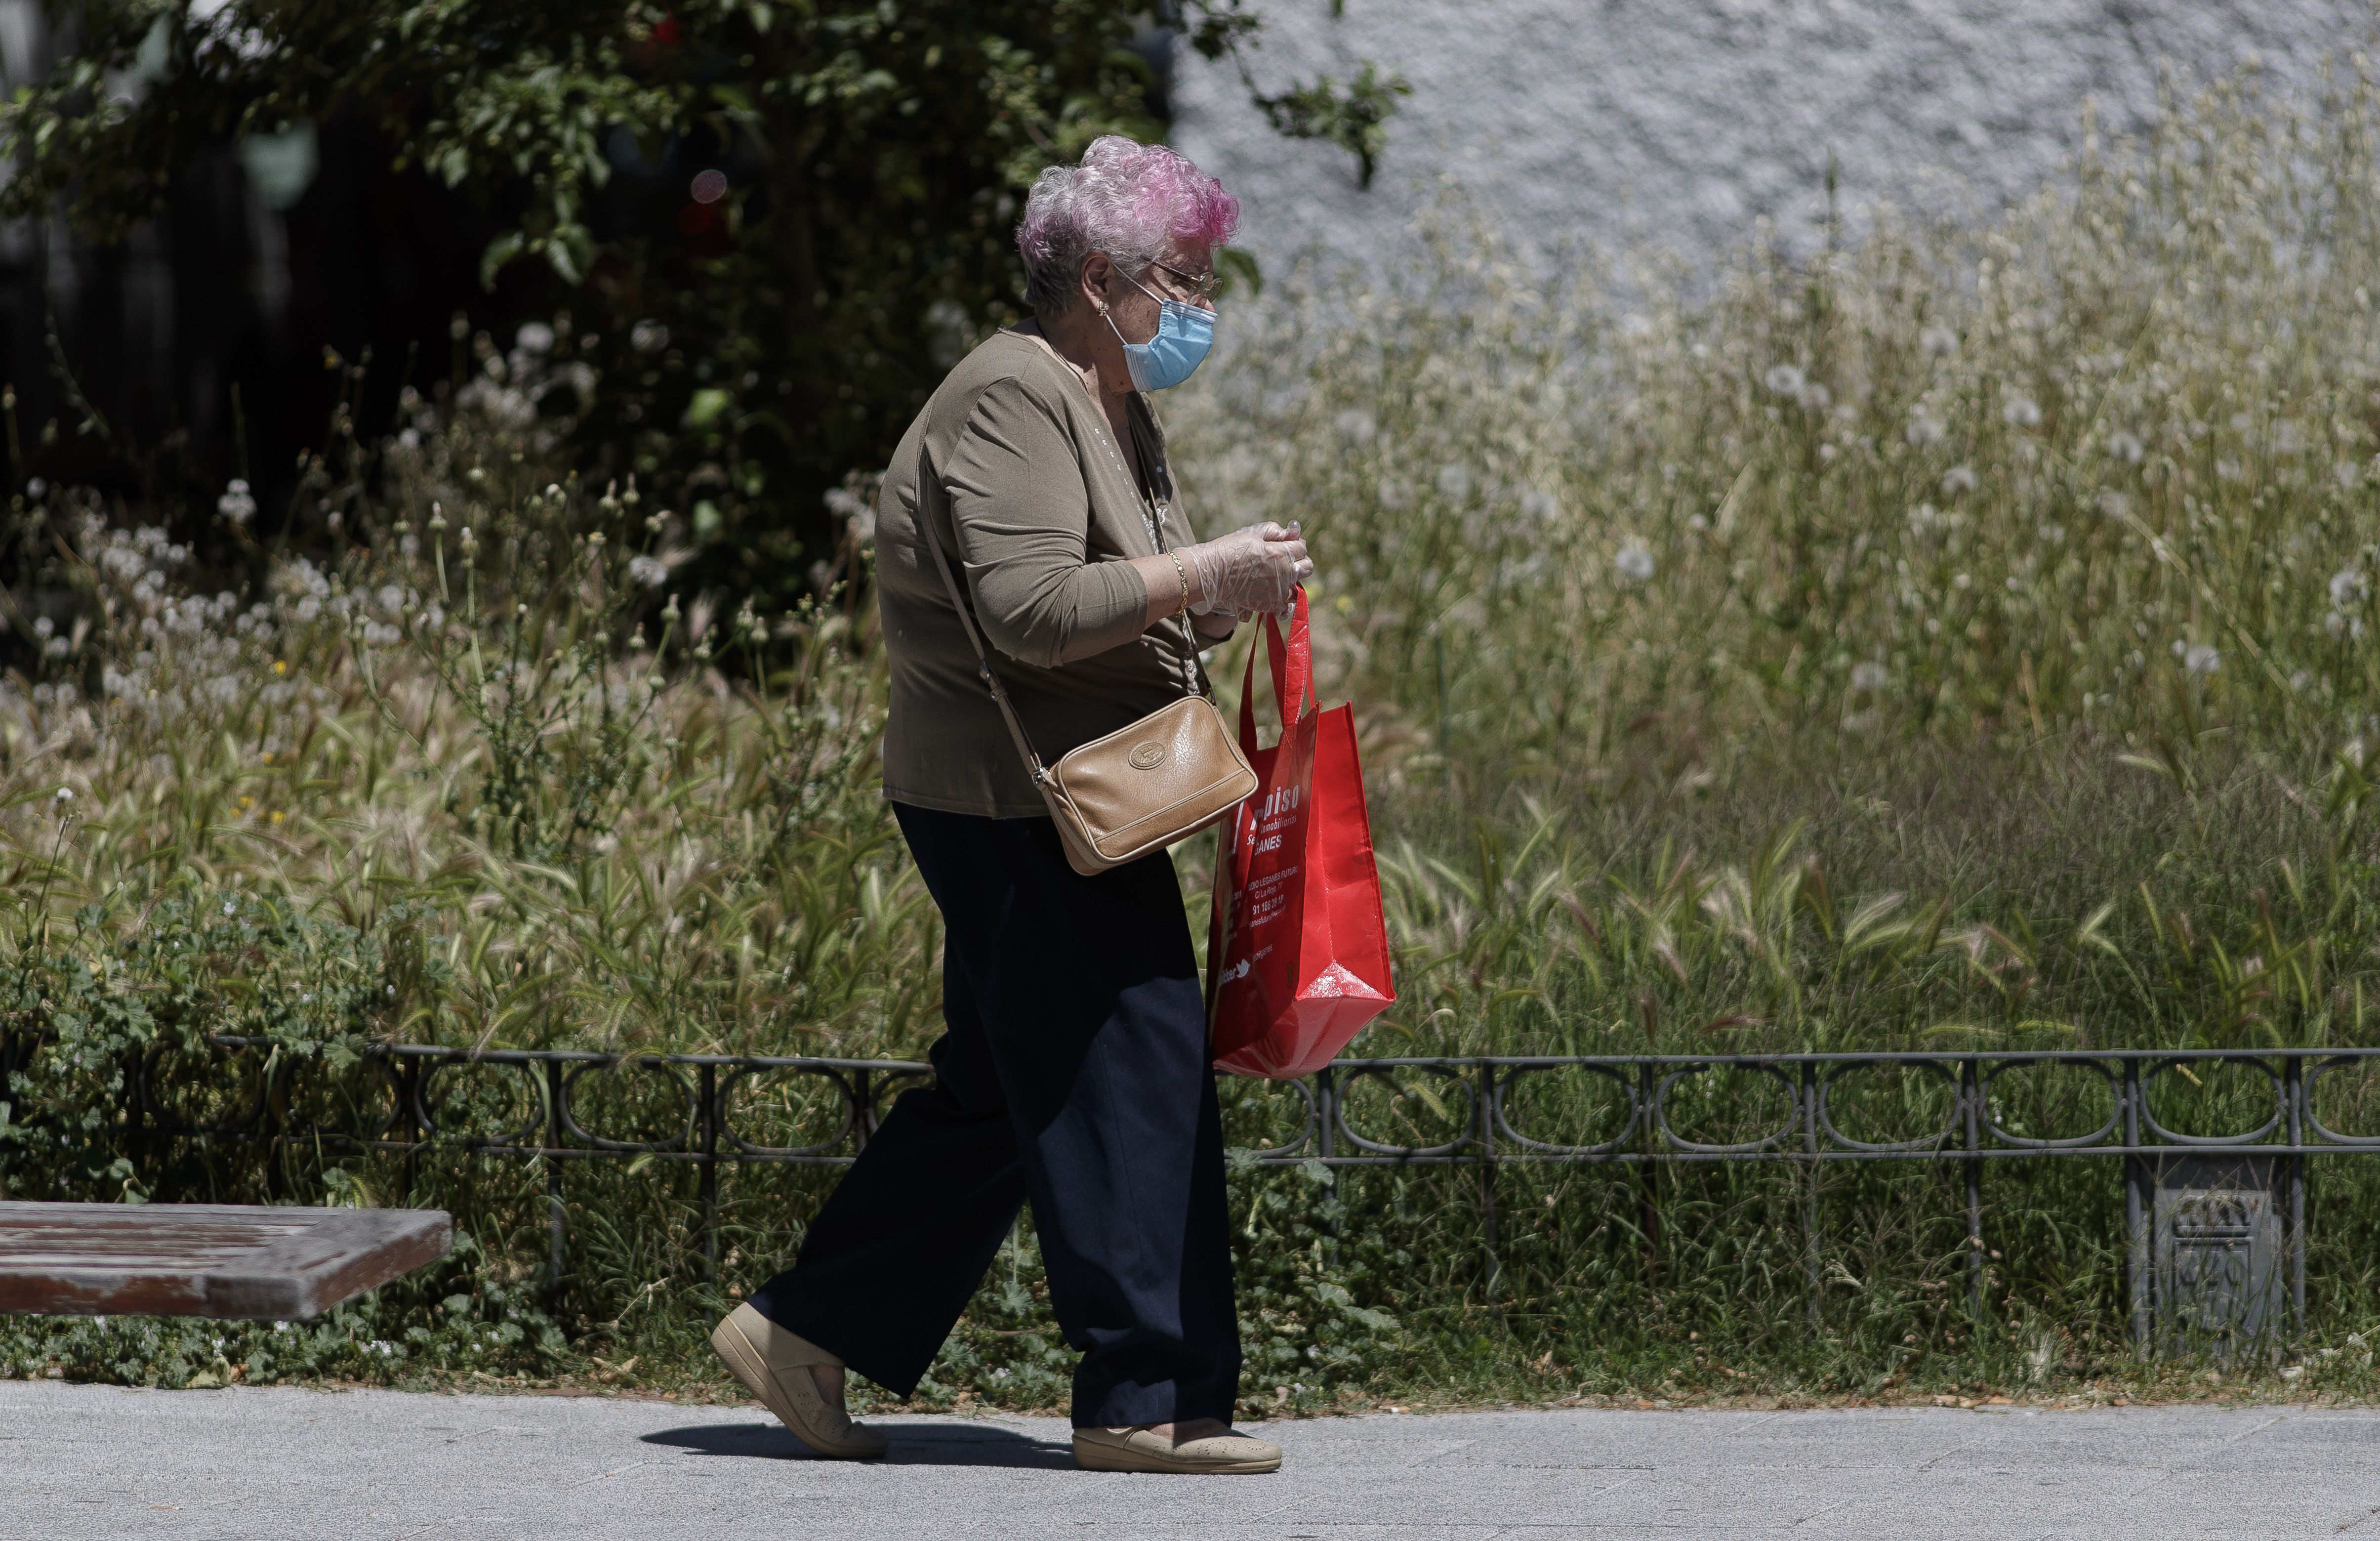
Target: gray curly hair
[[1125, 198]]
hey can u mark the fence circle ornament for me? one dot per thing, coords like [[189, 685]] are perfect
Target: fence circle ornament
[[1512, 1077], [1832, 1074], [1309, 1123], [889, 1084], [847, 1116], [650, 1064], [1359, 1072], [1991, 1125], [2156, 1068], [1769, 1142], [520, 1137], [2322, 1132]]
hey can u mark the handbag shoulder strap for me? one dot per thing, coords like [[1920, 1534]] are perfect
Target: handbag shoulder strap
[[1033, 766]]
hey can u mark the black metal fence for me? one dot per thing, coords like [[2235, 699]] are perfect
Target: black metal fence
[[2216, 1219]]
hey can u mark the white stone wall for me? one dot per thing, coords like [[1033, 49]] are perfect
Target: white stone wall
[[1679, 122]]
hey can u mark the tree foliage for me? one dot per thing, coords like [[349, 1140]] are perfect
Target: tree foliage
[[777, 220]]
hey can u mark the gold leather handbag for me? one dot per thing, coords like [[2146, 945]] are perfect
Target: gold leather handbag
[[1139, 789]]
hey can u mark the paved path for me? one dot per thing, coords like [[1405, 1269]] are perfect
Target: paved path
[[84, 1461]]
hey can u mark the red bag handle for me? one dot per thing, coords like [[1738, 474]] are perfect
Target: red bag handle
[[1292, 673]]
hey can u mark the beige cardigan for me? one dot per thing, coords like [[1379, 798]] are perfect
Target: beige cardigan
[[1034, 499]]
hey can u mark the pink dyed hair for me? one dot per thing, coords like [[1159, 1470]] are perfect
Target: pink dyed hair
[[1125, 198]]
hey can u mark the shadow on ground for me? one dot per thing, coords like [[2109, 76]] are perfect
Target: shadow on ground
[[913, 1444]]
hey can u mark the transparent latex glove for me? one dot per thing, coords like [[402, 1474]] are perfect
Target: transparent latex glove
[[1249, 572]]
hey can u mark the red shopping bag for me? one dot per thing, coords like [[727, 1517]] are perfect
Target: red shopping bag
[[1297, 954]]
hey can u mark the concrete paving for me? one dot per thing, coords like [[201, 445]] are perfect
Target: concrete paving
[[108, 1464]]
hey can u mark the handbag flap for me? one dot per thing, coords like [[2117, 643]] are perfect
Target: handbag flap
[[1155, 780]]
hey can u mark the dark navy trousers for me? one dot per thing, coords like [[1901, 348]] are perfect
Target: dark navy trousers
[[1073, 1074]]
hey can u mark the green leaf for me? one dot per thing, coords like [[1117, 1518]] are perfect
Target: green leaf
[[706, 407], [1354, 117], [1234, 268], [500, 251]]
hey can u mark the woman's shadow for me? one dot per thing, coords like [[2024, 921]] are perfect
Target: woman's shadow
[[952, 1443]]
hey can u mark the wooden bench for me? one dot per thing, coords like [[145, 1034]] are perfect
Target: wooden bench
[[263, 1263]]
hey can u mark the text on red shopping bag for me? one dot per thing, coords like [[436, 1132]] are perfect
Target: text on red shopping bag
[[1297, 949]]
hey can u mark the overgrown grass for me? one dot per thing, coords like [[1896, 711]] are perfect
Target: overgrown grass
[[1956, 641]]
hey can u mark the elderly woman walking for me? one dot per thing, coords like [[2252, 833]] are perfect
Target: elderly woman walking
[[1074, 1072]]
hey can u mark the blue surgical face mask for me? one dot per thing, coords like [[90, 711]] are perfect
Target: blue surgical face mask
[[1184, 333]]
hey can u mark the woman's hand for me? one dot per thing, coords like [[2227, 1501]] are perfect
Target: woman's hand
[[1248, 572]]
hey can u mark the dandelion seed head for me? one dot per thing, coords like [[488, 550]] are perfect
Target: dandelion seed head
[[2114, 505], [237, 503], [2347, 586], [1541, 505], [1957, 480], [1785, 380], [534, 337], [1869, 675], [1356, 426], [1939, 342], [650, 571], [649, 336], [2020, 412], [1633, 563], [2348, 474], [1455, 481], [2202, 659], [2126, 448]]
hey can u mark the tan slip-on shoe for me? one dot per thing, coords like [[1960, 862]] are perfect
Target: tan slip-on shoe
[[774, 1364], [1136, 1449]]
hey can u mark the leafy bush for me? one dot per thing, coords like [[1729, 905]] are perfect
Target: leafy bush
[[777, 225]]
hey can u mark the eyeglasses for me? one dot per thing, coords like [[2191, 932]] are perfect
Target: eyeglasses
[[1203, 285]]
